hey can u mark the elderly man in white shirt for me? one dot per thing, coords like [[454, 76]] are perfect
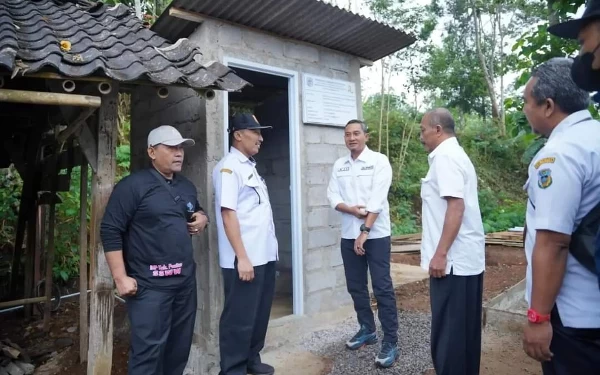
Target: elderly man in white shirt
[[358, 188], [453, 248]]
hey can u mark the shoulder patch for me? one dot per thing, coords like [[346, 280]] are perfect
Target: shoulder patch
[[544, 161], [544, 178], [226, 170]]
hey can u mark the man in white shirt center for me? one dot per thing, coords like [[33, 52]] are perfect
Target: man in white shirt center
[[358, 188], [453, 248]]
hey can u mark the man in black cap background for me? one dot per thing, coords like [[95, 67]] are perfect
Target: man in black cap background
[[248, 250], [586, 30]]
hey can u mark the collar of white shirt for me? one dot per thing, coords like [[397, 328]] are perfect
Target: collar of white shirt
[[364, 156], [241, 157], [450, 142], [569, 121]]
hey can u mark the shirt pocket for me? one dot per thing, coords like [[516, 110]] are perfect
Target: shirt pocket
[[365, 178], [253, 189], [427, 188]]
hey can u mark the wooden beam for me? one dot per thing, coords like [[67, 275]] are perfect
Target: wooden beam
[[27, 173], [50, 252], [30, 258], [40, 241], [102, 298], [48, 98], [22, 301], [364, 62], [186, 15], [89, 147], [83, 280], [130, 84], [76, 125]]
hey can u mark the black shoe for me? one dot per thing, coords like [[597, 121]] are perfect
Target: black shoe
[[261, 369]]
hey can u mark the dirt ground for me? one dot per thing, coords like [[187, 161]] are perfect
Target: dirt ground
[[502, 353]]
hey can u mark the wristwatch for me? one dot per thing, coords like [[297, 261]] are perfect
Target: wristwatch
[[364, 228], [536, 318]]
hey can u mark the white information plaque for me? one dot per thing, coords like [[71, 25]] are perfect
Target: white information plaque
[[328, 101]]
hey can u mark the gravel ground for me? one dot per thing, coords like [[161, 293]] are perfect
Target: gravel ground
[[414, 348]]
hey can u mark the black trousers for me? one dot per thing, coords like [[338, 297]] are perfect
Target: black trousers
[[377, 261], [456, 308], [576, 350], [245, 318], [162, 327]]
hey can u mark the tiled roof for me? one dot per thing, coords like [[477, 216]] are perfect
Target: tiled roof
[[78, 38]]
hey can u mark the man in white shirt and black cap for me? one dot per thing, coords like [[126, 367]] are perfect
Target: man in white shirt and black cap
[[358, 188], [146, 234], [248, 250]]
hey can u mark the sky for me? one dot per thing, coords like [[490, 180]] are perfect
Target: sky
[[371, 76]]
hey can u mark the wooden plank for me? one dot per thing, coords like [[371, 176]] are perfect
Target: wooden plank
[[83, 281], [102, 298], [409, 248]]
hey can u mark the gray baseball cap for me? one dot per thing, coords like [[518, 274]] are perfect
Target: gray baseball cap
[[168, 136]]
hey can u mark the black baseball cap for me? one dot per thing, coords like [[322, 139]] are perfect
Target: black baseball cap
[[570, 29], [245, 121]]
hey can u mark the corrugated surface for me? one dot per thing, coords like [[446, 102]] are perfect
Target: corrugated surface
[[311, 21], [104, 41]]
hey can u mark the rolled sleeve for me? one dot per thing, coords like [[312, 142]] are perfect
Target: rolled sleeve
[[450, 176], [557, 188], [229, 188], [119, 211], [333, 189], [382, 180]]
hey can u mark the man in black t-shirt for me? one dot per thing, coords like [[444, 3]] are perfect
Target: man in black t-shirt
[[146, 234]]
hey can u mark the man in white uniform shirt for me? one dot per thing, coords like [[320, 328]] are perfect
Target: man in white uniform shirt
[[563, 329], [248, 251], [453, 248], [358, 188]]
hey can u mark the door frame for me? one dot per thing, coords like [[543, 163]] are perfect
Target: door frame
[[295, 166]]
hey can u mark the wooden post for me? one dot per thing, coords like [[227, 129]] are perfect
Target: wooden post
[[50, 252], [40, 242], [30, 259], [102, 298], [83, 281]]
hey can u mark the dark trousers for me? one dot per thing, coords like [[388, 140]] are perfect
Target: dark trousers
[[456, 307], [162, 326], [245, 318], [576, 350], [377, 261]]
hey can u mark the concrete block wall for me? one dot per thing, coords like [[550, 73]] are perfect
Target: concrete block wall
[[324, 281]]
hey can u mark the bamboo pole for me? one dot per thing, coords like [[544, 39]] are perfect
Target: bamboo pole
[[23, 301], [83, 300], [48, 98]]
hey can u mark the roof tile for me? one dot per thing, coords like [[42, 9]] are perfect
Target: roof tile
[[103, 41]]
